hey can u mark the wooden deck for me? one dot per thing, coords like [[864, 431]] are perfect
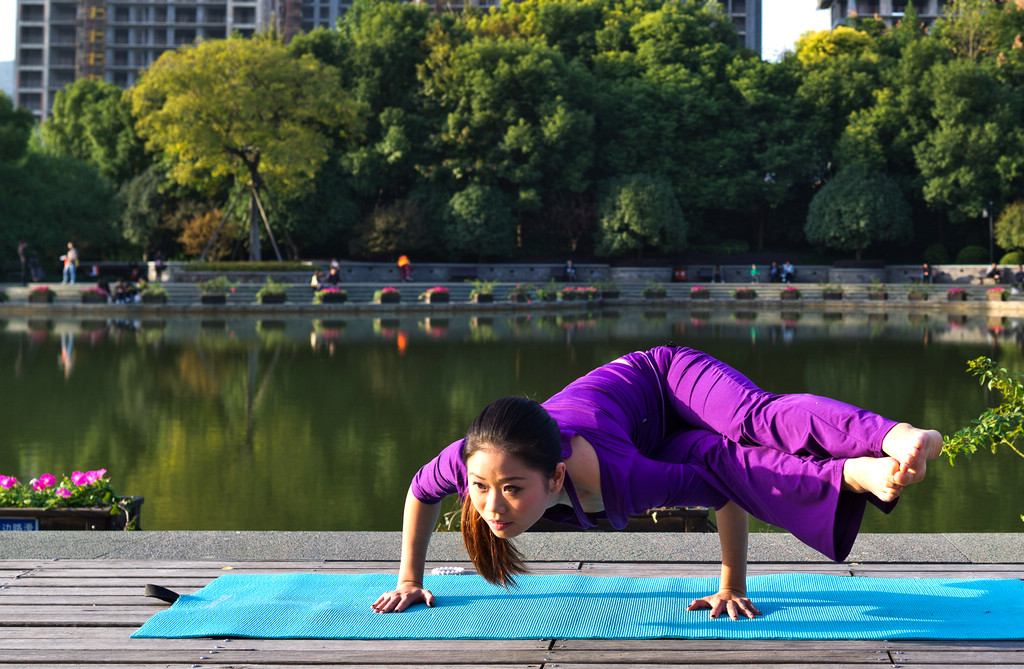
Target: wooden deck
[[80, 613]]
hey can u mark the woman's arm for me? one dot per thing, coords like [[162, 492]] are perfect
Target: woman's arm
[[732, 593], [417, 525]]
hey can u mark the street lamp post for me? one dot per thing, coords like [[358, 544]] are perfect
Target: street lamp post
[[991, 235]]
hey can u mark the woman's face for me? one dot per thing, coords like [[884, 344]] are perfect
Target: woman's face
[[509, 495]]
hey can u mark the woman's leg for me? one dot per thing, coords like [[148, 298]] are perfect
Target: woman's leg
[[706, 393], [801, 494]]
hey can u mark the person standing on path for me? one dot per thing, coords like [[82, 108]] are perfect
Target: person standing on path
[[23, 257], [70, 263]]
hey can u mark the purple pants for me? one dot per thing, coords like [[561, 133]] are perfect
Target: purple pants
[[673, 426]]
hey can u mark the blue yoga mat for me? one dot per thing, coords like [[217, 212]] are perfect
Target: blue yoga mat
[[795, 606]]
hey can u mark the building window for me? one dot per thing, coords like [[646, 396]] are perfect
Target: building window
[[244, 15], [215, 33], [31, 35], [216, 14], [160, 14], [739, 6], [30, 79], [325, 12], [185, 15], [31, 101], [62, 35], [120, 79], [121, 58], [32, 13], [30, 57], [183, 36], [121, 36]]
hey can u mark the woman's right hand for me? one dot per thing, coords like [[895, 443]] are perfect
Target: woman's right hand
[[402, 597]]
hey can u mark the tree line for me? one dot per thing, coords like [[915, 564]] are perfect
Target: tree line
[[593, 128]]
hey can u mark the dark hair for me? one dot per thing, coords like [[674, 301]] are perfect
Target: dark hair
[[522, 428]]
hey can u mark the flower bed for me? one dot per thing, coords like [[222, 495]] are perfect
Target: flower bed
[[436, 295], [330, 296], [40, 294], [82, 501], [996, 294], [700, 293], [956, 295], [387, 295], [94, 295], [744, 294], [790, 293]]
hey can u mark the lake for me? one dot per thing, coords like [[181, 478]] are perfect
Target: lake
[[302, 424]]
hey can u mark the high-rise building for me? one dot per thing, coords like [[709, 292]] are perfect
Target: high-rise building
[[59, 41], [890, 11]]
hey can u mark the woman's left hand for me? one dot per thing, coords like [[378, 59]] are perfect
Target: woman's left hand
[[726, 601]]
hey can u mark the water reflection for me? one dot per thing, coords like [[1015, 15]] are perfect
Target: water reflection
[[291, 423]]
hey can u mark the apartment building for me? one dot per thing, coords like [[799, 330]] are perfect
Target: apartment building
[[59, 41], [890, 11]]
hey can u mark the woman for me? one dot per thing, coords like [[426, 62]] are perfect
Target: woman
[[666, 427]]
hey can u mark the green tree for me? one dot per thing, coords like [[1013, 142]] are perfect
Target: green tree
[[857, 209], [638, 212], [91, 122], [255, 113], [480, 223], [15, 129], [1009, 228], [974, 154]]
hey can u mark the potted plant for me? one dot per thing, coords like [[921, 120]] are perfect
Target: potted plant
[[435, 295], [876, 291], [330, 295], [744, 294], [609, 290], [548, 292], [153, 293], [41, 294], [654, 290], [94, 295], [387, 295], [483, 291], [789, 293], [82, 501], [580, 293], [956, 295], [917, 292], [3, 295], [997, 294], [700, 293], [215, 291], [521, 292], [831, 291], [272, 292]]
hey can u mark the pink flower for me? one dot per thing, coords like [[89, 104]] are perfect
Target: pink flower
[[95, 475], [43, 482], [63, 492], [7, 482], [78, 478]]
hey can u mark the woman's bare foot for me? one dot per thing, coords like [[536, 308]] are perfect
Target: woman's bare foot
[[873, 475], [912, 448]]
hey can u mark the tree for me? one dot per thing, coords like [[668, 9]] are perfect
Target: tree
[[244, 110], [638, 212], [1009, 229], [856, 209], [15, 128], [480, 223], [92, 122]]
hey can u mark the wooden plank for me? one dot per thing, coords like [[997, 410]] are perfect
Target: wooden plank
[[652, 569], [262, 665], [236, 658], [391, 646]]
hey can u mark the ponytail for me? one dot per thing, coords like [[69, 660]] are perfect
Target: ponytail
[[497, 560]]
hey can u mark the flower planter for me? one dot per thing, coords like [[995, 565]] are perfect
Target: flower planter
[[483, 298], [273, 298], [154, 299], [745, 295], [789, 295], [213, 298], [831, 296], [917, 296], [957, 297], [609, 294], [700, 294], [438, 298], [390, 298], [519, 298], [87, 518], [94, 298], [567, 297], [40, 298], [654, 294], [878, 296], [333, 298], [997, 297]]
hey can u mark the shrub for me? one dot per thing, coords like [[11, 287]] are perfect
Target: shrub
[[935, 254], [972, 255]]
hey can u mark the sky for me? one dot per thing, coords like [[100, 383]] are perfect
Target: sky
[[784, 22]]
